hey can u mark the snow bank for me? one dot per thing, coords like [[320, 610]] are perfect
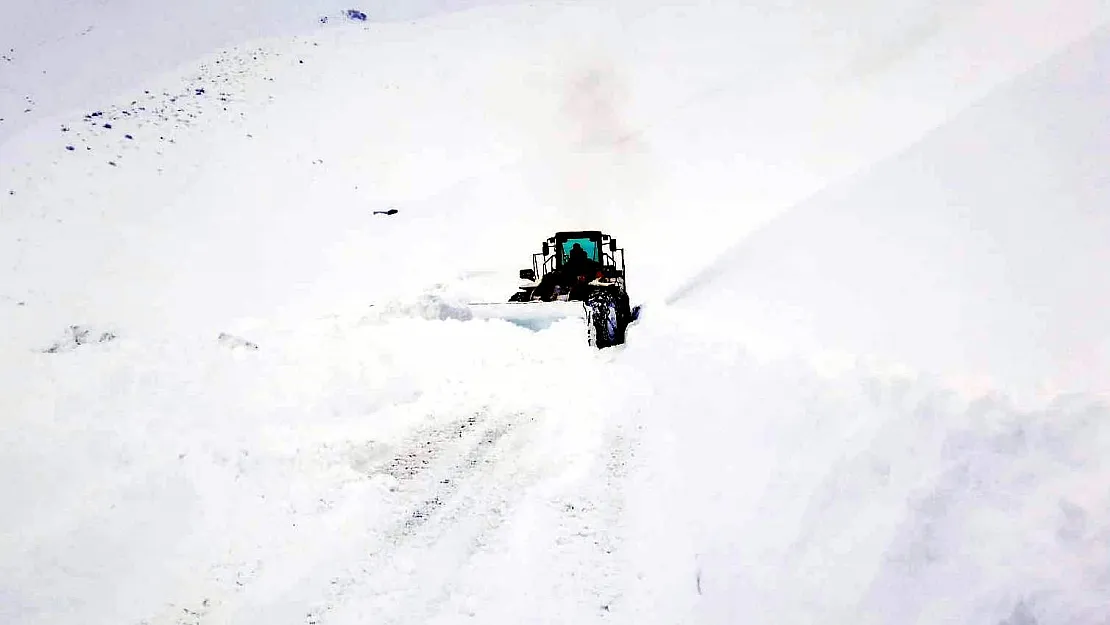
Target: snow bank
[[858, 498], [977, 253], [426, 306]]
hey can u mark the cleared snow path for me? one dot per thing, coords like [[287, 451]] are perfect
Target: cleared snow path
[[353, 471]]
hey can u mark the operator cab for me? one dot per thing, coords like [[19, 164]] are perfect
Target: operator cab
[[556, 254], [581, 266]]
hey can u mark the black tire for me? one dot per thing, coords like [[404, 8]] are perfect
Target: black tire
[[624, 309], [604, 326]]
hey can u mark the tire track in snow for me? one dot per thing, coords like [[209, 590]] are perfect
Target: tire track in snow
[[415, 467], [397, 534], [565, 543], [591, 545], [446, 521]]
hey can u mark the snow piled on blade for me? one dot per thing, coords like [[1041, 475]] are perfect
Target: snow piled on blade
[[425, 306]]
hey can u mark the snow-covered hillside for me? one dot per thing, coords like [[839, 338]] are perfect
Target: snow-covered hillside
[[867, 241], [58, 56], [989, 270]]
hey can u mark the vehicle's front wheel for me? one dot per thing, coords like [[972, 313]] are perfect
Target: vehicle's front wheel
[[603, 323]]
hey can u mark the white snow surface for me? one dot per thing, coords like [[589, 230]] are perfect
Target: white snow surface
[[868, 384]]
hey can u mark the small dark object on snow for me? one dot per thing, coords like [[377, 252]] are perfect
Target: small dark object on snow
[[112, 163], [324, 20], [235, 342], [128, 137], [77, 336], [355, 14], [108, 126], [70, 148], [200, 91], [392, 211]]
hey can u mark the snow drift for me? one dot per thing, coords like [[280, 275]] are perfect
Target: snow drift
[[977, 252], [861, 497]]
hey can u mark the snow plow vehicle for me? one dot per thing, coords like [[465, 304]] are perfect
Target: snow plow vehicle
[[575, 274]]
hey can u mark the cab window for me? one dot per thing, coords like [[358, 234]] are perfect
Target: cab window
[[588, 246]]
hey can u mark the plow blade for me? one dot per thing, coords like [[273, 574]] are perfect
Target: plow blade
[[532, 315]]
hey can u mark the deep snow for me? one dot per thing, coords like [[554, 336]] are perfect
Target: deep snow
[[990, 271], [866, 240]]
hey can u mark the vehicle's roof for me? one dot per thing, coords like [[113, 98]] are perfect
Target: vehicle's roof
[[579, 234]]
